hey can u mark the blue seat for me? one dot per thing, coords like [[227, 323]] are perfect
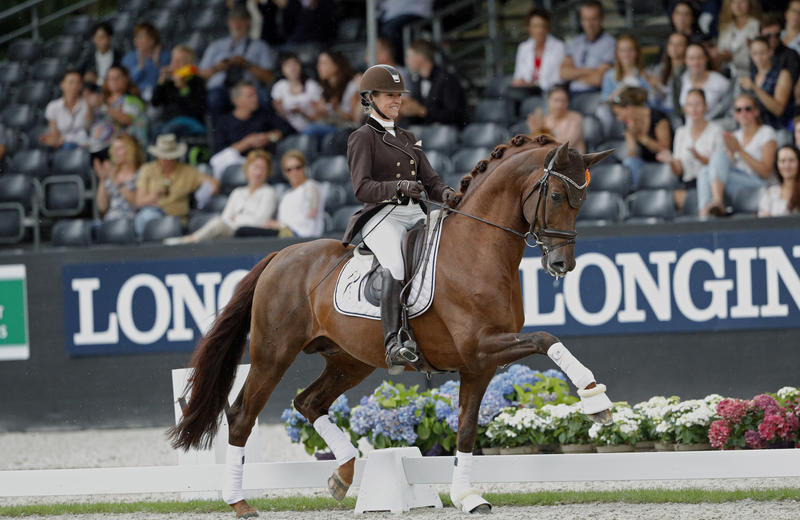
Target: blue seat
[[330, 169], [74, 233], [48, 69], [335, 143], [232, 177], [35, 93], [305, 143], [30, 162], [12, 73], [21, 117], [117, 231], [443, 138], [497, 87], [745, 202], [334, 195], [78, 25], [585, 102], [602, 207], [650, 207], [466, 158], [530, 104], [198, 220], [341, 217], [158, 229], [24, 50], [592, 131], [63, 196], [72, 162], [64, 48], [216, 204], [440, 162], [610, 177], [657, 176], [483, 134], [492, 111]]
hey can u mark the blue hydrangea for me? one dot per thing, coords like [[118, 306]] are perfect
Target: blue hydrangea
[[364, 416], [555, 373], [340, 407]]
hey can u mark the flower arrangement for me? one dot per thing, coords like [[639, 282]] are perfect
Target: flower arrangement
[[624, 428], [303, 432], [567, 424], [687, 422], [519, 427], [652, 414], [759, 423]]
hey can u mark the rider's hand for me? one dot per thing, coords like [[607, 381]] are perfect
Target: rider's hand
[[449, 196], [409, 189]]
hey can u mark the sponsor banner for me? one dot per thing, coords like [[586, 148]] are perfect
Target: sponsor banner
[[149, 306], [14, 342], [673, 283]]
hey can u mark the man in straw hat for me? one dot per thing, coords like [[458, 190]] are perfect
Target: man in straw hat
[[163, 186]]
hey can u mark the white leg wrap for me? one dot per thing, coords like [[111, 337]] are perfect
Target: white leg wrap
[[594, 400], [336, 439], [580, 376], [464, 497], [234, 467]]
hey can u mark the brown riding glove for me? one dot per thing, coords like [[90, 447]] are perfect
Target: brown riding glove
[[409, 189]]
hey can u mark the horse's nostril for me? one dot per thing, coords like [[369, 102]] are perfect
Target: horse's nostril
[[559, 266]]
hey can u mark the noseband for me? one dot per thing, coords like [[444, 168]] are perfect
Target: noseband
[[576, 194]]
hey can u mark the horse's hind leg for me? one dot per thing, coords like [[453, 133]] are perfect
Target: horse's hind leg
[[341, 373]]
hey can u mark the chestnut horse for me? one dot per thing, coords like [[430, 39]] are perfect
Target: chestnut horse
[[528, 191]]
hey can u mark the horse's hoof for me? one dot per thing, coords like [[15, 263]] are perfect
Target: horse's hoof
[[483, 509], [603, 417], [337, 486], [244, 510]]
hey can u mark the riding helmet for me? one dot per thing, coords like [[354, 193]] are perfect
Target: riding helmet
[[382, 78]]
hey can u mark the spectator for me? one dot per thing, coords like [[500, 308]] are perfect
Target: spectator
[[784, 198], [589, 55], [694, 143], [384, 55], [339, 106], [770, 85], [628, 69], [699, 75], [796, 124], [302, 209], [246, 128], [116, 178], [278, 20], [782, 56], [684, 21], [98, 58], [252, 205], [146, 61], [117, 109], [746, 162], [790, 36], [562, 123], [396, 14], [182, 94], [163, 187], [539, 57], [665, 78], [67, 116], [647, 131], [738, 23], [233, 59], [294, 95], [436, 96]]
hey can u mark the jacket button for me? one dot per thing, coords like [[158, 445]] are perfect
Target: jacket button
[[412, 161], [413, 172], [398, 163], [398, 175]]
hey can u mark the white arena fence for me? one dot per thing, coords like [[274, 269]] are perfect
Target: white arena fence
[[406, 479]]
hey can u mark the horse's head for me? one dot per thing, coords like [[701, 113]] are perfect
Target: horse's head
[[551, 200]]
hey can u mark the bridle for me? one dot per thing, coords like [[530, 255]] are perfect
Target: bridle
[[576, 194]]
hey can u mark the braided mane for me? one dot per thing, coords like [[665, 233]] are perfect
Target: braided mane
[[483, 165]]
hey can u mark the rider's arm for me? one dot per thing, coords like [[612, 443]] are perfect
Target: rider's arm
[[361, 160]]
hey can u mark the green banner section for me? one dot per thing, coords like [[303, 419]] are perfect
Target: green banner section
[[13, 313]]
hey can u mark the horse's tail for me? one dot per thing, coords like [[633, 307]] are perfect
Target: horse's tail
[[214, 362]]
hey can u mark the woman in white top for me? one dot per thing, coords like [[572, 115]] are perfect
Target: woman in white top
[[738, 23], [251, 206], [539, 57], [746, 161], [302, 209], [294, 95], [784, 198], [715, 86], [693, 145]]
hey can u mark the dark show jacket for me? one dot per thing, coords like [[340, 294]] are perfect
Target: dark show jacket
[[377, 161], [445, 102]]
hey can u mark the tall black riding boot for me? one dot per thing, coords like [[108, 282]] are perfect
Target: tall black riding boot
[[390, 319]]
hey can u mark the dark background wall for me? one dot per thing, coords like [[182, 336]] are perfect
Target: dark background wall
[[53, 391]]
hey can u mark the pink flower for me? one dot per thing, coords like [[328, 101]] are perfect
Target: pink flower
[[791, 423], [732, 410], [766, 403], [753, 440], [718, 434], [771, 425]]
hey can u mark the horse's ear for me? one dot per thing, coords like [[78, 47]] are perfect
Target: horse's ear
[[562, 154], [594, 158]]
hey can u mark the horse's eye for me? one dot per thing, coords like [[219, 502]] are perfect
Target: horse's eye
[[556, 197]]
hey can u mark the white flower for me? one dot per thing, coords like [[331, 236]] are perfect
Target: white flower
[[787, 392]]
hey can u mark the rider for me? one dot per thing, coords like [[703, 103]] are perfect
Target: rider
[[389, 171]]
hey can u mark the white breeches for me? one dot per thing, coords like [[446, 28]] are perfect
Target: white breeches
[[384, 235]]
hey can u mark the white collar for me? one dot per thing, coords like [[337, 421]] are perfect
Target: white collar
[[388, 125]]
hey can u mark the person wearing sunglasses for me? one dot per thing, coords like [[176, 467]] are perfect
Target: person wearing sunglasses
[[746, 162], [770, 85], [301, 211]]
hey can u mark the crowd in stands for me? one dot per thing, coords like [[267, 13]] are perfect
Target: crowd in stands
[[718, 110]]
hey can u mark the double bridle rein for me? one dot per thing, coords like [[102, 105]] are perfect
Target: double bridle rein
[[533, 238]]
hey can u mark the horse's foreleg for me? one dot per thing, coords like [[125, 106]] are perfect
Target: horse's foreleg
[[505, 348], [470, 394]]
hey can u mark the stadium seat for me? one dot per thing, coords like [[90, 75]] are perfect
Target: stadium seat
[[19, 188], [35, 133], [72, 162], [657, 176], [307, 52], [197, 41], [610, 177], [497, 87], [492, 111], [30, 162], [281, 189], [117, 231], [21, 117], [24, 51], [592, 131], [199, 219], [165, 21], [35, 93], [530, 104], [134, 7], [176, 6], [483, 134], [453, 180], [15, 140], [520, 127], [745, 202], [585, 102], [12, 222], [232, 177], [12, 73], [334, 195], [784, 137], [161, 228], [205, 19], [466, 158], [63, 196], [48, 69], [122, 24], [443, 138], [330, 168], [75, 233], [216, 204], [305, 143], [616, 131], [440, 162], [689, 208], [65, 48], [335, 143], [78, 25], [602, 207], [341, 217], [349, 29], [650, 207]]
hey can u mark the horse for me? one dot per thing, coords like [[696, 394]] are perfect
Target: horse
[[528, 192]]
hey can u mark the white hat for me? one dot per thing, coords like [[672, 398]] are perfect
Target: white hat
[[167, 147]]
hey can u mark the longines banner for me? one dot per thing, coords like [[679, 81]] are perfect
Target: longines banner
[[660, 284]]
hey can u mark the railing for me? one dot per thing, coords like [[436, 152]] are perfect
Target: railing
[[36, 22]]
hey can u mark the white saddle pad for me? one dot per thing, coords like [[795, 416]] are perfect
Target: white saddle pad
[[349, 298]]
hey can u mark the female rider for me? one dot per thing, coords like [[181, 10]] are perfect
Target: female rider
[[389, 172]]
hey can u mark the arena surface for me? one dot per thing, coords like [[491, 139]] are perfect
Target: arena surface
[[148, 447]]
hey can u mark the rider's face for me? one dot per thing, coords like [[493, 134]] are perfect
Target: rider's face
[[388, 103]]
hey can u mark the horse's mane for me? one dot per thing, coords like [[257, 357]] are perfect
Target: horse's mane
[[482, 169]]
